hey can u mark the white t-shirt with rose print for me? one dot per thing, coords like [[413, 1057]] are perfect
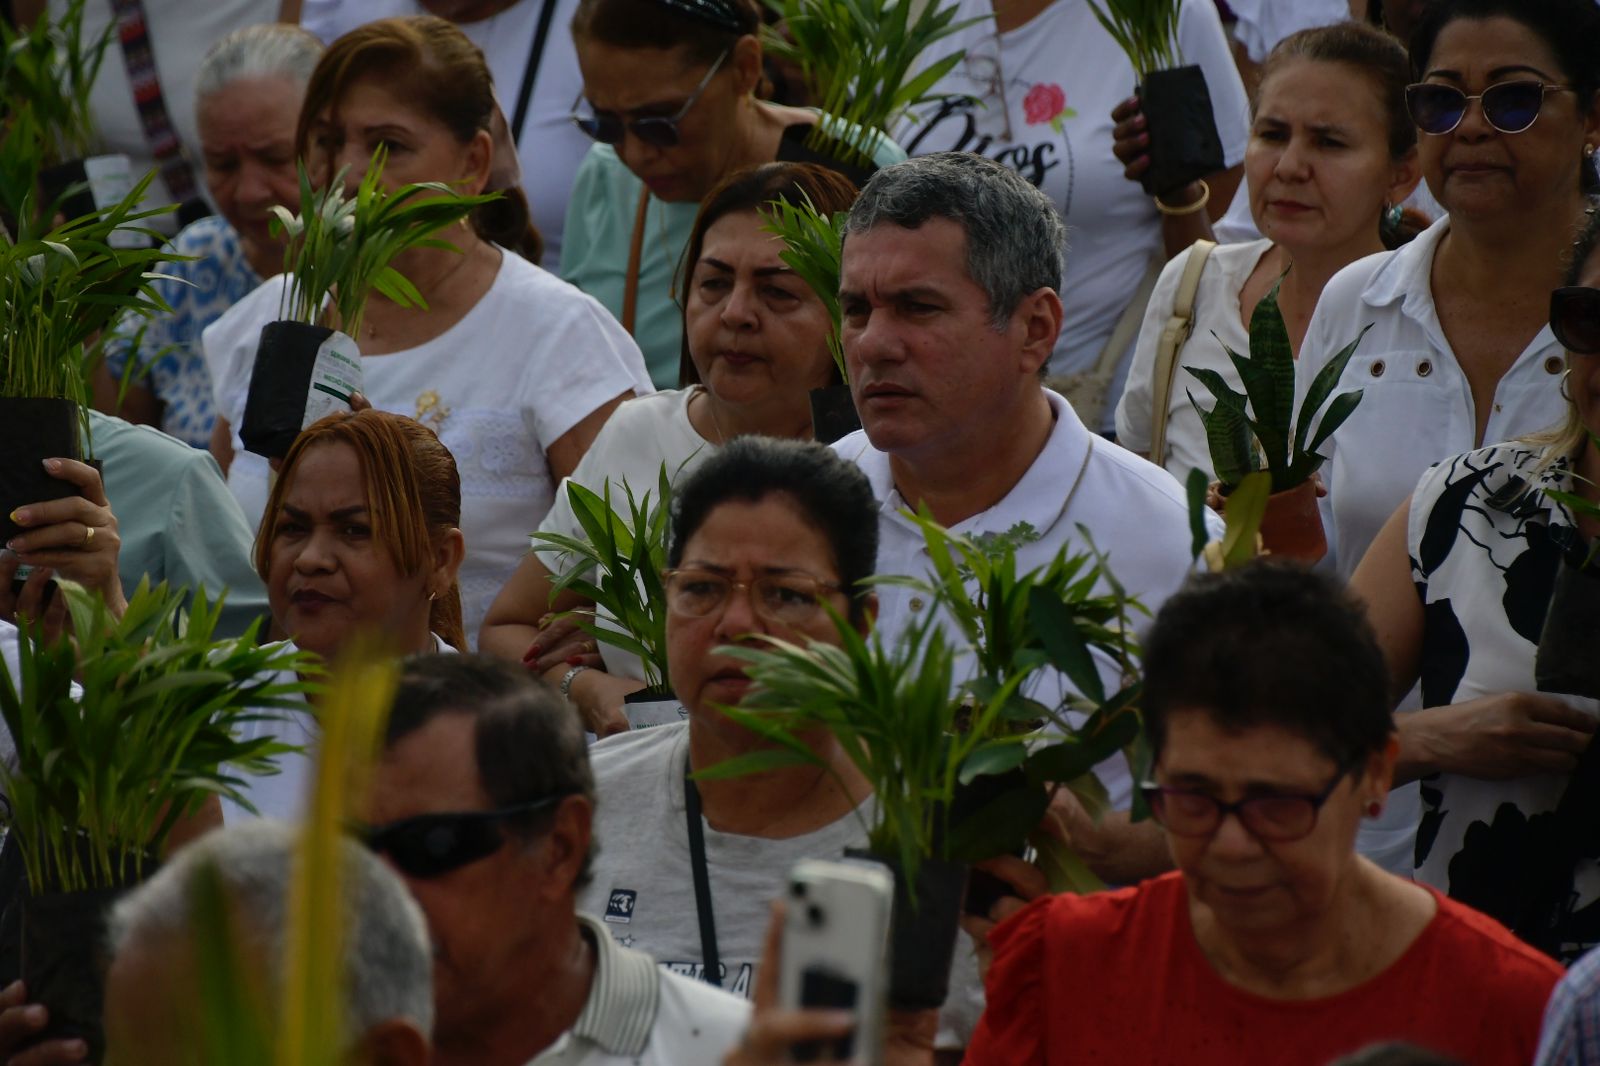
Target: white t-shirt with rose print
[[1039, 99]]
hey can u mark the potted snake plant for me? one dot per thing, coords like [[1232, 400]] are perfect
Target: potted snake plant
[[119, 733], [58, 289], [813, 244], [1260, 431], [1567, 660], [856, 59], [1184, 142], [616, 565], [339, 250]]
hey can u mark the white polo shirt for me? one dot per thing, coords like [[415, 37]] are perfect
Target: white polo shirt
[[640, 1015], [1135, 512], [1416, 406]]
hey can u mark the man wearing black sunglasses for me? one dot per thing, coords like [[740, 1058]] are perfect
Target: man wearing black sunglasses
[[483, 802]]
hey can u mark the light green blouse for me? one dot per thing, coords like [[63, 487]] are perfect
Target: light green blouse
[[599, 231]]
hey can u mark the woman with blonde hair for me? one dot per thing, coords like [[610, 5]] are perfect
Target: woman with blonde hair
[[361, 537]]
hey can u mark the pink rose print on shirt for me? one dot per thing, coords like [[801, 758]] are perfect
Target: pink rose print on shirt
[[1047, 103]]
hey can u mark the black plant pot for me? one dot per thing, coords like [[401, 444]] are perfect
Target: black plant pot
[[31, 431], [55, 181], [1568, 659], [647, 709], [275, 410], [992, 815], [64, 954], [1184, 142], [922, 932], [833, 413]]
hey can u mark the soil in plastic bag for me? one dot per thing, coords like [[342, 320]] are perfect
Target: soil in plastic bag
[[31, 431], [276, 406], [1184, 142], [922, 933]]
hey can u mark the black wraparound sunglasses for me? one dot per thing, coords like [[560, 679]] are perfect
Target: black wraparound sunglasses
[[658, 131], [1510, 107], [1575, 319], [431, 845]]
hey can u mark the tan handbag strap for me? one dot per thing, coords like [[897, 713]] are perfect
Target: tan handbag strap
[[630, 286], [1173, 337]]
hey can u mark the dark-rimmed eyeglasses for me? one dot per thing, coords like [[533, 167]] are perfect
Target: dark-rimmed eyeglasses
[[658, 131], [787, 599], [1575, 319], [1279, 818], [1510, 107], [431, 845]]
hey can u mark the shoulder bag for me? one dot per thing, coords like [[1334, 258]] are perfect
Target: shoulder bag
[[1180, 324]]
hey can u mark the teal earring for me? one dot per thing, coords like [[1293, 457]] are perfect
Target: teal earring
[[1392, 214]]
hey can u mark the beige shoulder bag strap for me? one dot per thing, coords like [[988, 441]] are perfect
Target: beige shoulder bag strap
[[1173, 337]]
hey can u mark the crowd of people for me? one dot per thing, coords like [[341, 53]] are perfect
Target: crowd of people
[[1362, 844]]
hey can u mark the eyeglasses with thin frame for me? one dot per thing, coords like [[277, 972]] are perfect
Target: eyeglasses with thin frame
[[1575, 319], [1510, 106], [658, 131], [432, 845], [1279, 819], [785, 598]]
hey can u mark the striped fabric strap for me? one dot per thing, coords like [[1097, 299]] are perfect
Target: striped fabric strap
[[139, 58]]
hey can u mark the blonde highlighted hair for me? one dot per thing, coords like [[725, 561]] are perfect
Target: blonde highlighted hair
[[413, 497]]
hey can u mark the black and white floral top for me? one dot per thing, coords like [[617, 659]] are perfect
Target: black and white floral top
[[1484, 562]]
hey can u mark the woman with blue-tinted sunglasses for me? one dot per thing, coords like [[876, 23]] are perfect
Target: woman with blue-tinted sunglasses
[[1460, 354], [671, 96]]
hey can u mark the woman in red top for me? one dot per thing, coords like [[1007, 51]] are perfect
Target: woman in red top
[[1267, 708]]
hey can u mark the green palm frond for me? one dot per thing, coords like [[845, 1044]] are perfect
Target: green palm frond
[[1146, 30], [338, 248]]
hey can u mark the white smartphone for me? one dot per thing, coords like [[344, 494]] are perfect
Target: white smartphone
[[836, 952]]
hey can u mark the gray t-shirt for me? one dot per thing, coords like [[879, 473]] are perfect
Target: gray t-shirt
[[643, 887]]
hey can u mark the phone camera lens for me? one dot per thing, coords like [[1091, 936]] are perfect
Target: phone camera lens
[[816, 916], [797, 889]]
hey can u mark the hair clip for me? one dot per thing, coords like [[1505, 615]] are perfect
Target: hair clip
[[720, 13]]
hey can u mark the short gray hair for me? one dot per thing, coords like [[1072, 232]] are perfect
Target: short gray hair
[[268, 50], [388, 955], [1015, 236]]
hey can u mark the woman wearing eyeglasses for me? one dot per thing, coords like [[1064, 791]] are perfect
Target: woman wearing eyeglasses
[[514, 369], [1460, 354], [1274, 943], [1459, 582], [670, 93], [755, 344], [764, 534], [361, 538]]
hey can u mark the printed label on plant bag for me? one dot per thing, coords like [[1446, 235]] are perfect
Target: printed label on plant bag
[[334, 377]]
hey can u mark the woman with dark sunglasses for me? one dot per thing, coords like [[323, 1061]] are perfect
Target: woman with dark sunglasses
[[670, 93], [1458, 584], [1459, 353], [1274, 943]]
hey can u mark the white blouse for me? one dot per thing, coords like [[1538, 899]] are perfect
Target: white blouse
[[1416, 407]]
